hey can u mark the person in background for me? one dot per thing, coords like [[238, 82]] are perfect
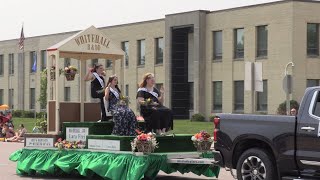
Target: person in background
[[7, 132], [293, 112], [157, 117], [19, 135], [95, 75]]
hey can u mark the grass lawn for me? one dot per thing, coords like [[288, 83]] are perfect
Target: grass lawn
[[28, 123], [179, 127]]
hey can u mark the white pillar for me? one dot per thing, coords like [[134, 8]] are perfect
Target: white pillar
[[58, 89], [82, 88]]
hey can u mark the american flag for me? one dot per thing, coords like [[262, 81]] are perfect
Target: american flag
[[21, 40]]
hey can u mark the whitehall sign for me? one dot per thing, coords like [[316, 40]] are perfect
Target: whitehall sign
[[92, 41]]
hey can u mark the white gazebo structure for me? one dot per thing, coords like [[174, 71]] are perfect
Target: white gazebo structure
[[88, 44]]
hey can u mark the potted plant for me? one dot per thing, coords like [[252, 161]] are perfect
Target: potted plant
[[202, 141], [145, 143], [70, 72]]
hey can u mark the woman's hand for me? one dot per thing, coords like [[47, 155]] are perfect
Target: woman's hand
[[162, 90]]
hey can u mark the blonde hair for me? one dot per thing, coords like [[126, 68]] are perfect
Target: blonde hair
[[145, 78]]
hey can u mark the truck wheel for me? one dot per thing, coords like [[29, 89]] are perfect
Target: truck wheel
[[255, 164]]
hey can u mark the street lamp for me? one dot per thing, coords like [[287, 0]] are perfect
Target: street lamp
[[287, 92]]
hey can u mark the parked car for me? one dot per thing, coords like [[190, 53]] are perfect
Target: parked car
[[271, 146]]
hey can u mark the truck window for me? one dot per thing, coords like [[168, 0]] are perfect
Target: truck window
[[315, 104]]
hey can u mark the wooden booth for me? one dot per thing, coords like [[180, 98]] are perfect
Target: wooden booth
[[85, 45]]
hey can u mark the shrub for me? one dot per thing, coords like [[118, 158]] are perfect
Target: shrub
[[28, 114], [40, 126], [198, 117], [41, 114], [282, 107], [211, 118], [17, 113]]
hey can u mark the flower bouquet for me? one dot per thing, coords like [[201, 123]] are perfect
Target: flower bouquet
[[70, 72], [64, 144], [124, 100], [202, 141], [145, 143]]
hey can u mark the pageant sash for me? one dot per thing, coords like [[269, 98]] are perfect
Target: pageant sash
[[152, 92], [99, 79], [115, 93]]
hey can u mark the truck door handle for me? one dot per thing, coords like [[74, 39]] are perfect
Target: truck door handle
[[308, 128]]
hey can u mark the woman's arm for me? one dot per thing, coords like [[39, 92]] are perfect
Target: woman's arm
[[89, 76], [141, 101], [107, 92], [161, 97]]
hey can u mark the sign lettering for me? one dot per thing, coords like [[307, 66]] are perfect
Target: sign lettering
[[76, 134], [93, 41], [113, 145], [39, 142]]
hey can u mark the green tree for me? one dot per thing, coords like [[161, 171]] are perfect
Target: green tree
[[43, 90], [282, 107]]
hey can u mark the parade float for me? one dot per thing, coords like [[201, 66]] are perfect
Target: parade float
[[76, 144]]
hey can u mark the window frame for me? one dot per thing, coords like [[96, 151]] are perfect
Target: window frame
[[159, 60], [317, 41], [260, 55], [236, 95], [214, 54], [214, 109], [235, 43], [140, 59]]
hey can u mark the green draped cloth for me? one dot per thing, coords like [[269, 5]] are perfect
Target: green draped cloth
[[106, 165]]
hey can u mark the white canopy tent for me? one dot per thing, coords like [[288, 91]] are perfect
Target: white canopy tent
[[88, 44]]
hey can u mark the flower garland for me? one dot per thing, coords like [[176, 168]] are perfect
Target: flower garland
[[64, 144]]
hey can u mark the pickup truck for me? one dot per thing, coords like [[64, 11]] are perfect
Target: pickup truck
[[271, 147]]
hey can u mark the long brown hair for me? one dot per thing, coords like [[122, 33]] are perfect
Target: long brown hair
[[111, 78], [144, 80], [95, 67]]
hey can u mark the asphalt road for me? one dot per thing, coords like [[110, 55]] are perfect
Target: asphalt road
[[8, 168]]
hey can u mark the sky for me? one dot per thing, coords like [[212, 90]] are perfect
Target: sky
[[41, 17]]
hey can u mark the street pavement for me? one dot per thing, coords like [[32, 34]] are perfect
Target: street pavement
[[8, 168]]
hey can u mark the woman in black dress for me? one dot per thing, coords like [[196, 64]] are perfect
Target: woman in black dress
[[97, 86], [157, 117], [124, 118]]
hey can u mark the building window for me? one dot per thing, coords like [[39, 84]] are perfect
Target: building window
[[67, 94], [33, 62], [217, 45], [141, 52], [217, 96], [43, 60], [262, 98], [125, 48], [127, 89], [11, 100], [191, 97], [67, 62], [238, 95], [262, 41], [1, 65], [159, 50], [32, 98], [312, 82], [94, 62], [238, 43], [108, 63], [1, 96], [11, 64], [312, 39]]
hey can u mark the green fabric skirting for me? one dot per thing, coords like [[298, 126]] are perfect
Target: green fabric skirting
[[106, 165]]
